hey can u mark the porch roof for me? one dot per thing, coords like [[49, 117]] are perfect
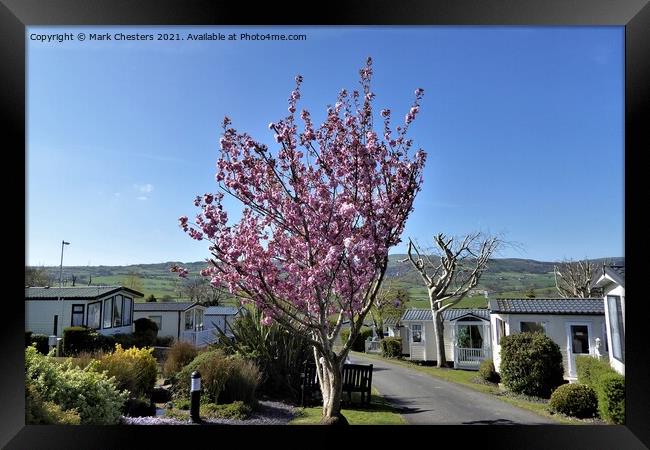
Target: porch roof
[[547, 305], [449, 314], [221, 311]]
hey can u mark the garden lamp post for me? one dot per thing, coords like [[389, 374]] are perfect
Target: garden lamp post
[[195, 397], [61, 270]]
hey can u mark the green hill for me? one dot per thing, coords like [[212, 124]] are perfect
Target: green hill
[[504, 277]]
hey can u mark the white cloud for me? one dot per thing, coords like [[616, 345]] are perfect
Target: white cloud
[[142, 197], [143, 188]]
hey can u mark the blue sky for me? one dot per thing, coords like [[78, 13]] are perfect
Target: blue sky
[[523, 126]]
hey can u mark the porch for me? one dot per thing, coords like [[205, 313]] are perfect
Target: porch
[[199, 338], [472, 343]]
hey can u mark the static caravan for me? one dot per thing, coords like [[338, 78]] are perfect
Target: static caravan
[[184, 321], [221, 317], [108, 309], [577, 325], [612, 281], [466, 336]]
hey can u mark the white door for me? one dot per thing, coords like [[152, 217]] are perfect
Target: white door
[[578, 338]]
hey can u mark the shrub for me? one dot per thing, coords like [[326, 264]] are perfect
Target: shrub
[[576, 400], [92, 394], [160, 395], [41, 341], [40, 412], [83, 339], [224, 379], [84, 359], [359, 344], [236, 410], [134, 369], [608, 385], [139, 407], [488, 372], [125, 340], [179, 355], [531, 364], [391, 347], [28, 338], [145, 332], [279, 354], [164, 341]]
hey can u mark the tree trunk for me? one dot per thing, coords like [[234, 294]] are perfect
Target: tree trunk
[[438, 330], [331, 385]]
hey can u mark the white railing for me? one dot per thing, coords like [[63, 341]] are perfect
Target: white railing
[[199, 338], [469, 358], [373, 347]]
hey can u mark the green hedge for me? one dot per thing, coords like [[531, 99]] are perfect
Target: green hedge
[[576, 400], [391, 347], [531, 364], [593, 372], [359, 344], [608, 384], [83, 339], [41, 341]]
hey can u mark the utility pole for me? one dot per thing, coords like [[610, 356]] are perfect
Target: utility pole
[[61, 271]]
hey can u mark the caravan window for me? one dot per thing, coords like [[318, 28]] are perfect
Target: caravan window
[[416, 333]]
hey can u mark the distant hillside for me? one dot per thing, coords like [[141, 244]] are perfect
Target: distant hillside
[[504, 277]]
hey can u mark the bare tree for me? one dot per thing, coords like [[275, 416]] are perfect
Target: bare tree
[[389, 302], [199, 289], [37, 276], [573, 279], [452, 274]]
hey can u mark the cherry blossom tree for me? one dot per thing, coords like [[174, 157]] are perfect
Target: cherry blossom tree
[[319, 216]]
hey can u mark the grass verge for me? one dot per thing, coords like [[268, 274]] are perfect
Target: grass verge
[[379, 412], [468, 378]]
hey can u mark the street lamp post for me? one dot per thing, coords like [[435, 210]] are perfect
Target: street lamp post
[[61, 271]]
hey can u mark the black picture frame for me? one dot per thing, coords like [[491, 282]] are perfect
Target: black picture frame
[[634, 15]]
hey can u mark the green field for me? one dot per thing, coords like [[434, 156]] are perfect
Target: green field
[[507, 277]]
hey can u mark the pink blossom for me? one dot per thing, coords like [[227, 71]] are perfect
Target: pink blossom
[[321, 209]]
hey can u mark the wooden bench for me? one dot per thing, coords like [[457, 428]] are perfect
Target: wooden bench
[[356, 378]]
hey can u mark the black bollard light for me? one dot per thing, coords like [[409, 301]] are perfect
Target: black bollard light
[[195, 397]]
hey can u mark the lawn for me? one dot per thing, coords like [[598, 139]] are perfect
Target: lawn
[[469, 379], [379, 412]]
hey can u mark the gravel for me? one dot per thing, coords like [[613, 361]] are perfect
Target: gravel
[[269, 413]]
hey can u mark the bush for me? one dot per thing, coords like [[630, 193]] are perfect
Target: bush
[[576, 400], [611, 398], [236, 410], [391, 347], [41, 341], [224, 379], [359, 344], [40, 412], [488, 372], [164, 341], [145, 332], [134, 369], [139, 407], [92, 394], [125, 340], [531, 364], [83, 339], [279, 354], [179, 355], [608, 384]]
